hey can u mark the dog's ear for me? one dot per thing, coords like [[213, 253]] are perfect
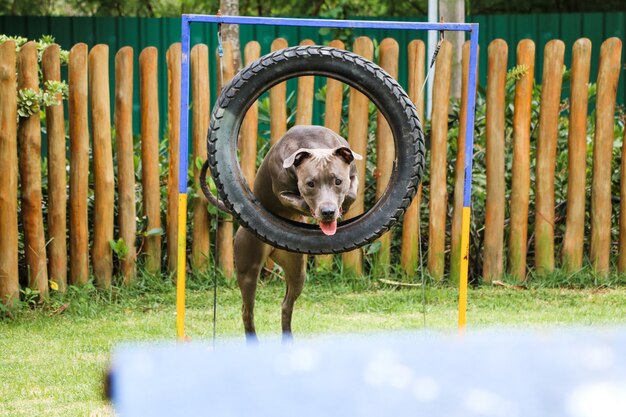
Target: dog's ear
[[296, 158], [347, 154]]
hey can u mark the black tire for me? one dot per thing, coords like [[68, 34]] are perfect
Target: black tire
[[367, 77]]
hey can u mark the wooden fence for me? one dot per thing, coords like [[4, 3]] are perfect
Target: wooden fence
[[46, 257]]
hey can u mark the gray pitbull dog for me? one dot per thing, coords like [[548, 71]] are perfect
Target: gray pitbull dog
[[308, 172]]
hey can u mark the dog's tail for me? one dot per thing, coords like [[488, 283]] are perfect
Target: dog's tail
[[207, 192]]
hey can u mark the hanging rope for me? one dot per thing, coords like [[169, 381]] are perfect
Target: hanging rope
[[442, 36]]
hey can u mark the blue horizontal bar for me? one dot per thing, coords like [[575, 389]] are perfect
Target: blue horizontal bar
[[329, 23]]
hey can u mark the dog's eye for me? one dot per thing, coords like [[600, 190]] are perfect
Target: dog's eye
[[310, 184], [338, 181]]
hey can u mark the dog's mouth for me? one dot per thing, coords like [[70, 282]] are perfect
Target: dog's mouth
[[328, 228]]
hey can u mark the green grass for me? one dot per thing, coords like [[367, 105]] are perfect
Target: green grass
[[52, 362]]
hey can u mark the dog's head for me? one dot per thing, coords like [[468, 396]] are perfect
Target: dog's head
[[327, 183]]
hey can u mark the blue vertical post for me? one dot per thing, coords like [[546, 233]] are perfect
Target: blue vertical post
[[467, 186], [182, 181]]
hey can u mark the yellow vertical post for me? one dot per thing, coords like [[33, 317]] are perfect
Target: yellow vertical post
[[183, 166], [181, 268], [467, 189], [465, 229]]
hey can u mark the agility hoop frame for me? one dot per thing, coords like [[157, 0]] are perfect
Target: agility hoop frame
[[186, 22]]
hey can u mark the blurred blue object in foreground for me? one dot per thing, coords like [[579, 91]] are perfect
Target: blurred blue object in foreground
[[556, 372]]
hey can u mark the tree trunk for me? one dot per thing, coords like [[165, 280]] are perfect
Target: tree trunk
[[231, 32], [453, 11]]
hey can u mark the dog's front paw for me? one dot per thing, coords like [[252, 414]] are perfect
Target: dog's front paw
[[294, 201]]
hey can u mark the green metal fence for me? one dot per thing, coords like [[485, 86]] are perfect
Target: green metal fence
[[161, 33]]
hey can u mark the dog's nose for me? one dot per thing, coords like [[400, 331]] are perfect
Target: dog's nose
[[328, 212]]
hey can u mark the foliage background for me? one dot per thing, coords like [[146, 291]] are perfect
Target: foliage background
[[343, 8]]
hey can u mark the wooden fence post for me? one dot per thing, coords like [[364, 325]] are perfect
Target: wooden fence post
[[278, 101], [438, 163], [546, 155], [577, 157], [306, 93], [173, 58], [332, 120], [334, 97], [357, 138], [224, 241], [622, 212], [123, 120], [520, 183], [250, 127], [29, 134], [57, 198], [494, 210], [409, 256], [79, 164], [201, 245], [104, 184], [148, 92], [608, 77], [459, 174], [9, 280], [385, 149]]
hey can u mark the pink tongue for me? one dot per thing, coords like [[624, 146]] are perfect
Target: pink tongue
[[329, 229]]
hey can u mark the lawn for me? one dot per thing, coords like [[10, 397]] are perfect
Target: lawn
[[53, 359]]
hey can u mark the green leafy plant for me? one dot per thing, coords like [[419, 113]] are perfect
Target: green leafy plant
[[41, 44], [29, 101], [19, 40], [119, 247], [52, 88], [30, 297]]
